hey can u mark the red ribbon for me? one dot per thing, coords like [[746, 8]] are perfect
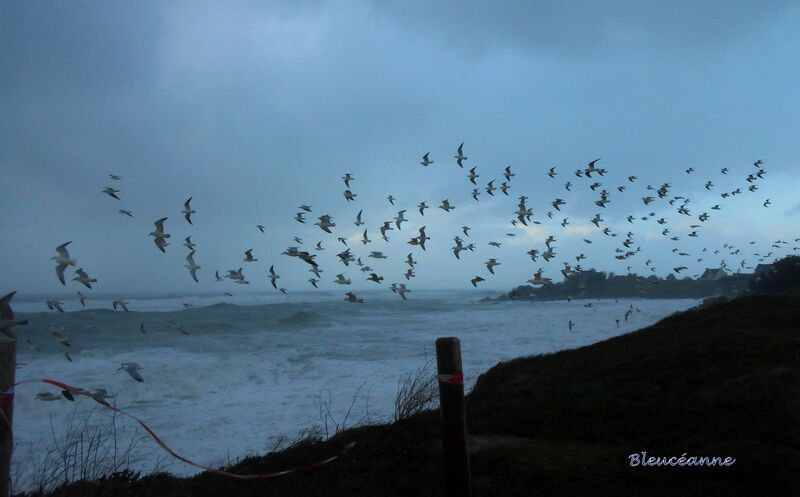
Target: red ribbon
[[451, 379], [6, 399], [260, 476]]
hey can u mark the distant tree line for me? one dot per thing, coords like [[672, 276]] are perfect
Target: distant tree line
[[782, 276], [591, 283]]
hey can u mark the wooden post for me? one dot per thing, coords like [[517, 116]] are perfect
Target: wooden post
[[8, 366], [453, 414]]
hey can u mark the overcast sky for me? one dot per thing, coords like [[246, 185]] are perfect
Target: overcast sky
[[253, 108]]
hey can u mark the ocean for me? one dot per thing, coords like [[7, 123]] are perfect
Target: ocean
[[258, 367]]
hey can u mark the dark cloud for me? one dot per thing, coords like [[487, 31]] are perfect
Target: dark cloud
[[76, 49], [586, 29], [254, 108]]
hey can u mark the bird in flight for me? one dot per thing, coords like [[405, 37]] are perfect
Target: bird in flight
[[351, 297], [111, 192], [159, 236], [187, 211], [472, 176], [132, 368], [273, 276], [84, 278], [191, 266], [460, 155], [347, 179], [62, 260]]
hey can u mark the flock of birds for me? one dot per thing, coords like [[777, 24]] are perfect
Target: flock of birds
[[591, 177]]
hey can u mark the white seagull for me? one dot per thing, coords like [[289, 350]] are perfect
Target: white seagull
[[191, 266], [132, 368], [55, 305], [63, 260], [120, 303]]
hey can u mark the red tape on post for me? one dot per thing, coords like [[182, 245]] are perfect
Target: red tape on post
[[260, 476], [451, 379]]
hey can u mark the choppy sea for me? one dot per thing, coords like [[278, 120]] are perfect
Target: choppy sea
[[257, 367]]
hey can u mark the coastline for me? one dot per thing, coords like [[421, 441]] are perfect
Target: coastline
[[716, 381]]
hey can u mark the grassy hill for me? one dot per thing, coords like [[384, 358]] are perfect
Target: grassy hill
[[721, 381]]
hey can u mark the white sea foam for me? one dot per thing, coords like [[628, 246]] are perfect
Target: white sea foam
[[249, 374]]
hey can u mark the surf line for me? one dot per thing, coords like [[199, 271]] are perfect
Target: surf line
[[69, 391]]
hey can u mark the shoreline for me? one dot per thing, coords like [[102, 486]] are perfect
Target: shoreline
[[513, 431]]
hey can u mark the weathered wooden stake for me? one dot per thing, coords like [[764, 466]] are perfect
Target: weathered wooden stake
[[8, 366], [454, 421]]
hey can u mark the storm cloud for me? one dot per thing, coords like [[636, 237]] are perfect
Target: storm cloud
[[252, 108]]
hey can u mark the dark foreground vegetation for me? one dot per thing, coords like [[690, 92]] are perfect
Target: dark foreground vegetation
[[719, 381]]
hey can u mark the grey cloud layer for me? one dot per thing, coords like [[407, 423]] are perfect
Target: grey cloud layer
[[254, 108]]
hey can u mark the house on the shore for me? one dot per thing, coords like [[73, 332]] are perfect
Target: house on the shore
[[713, 274]]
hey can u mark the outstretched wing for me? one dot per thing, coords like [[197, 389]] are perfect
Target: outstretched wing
[[62, 250]]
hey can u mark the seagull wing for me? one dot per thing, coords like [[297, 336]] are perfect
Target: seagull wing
[[160, 224], [5, 306], [62, 250], [60, 273]]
